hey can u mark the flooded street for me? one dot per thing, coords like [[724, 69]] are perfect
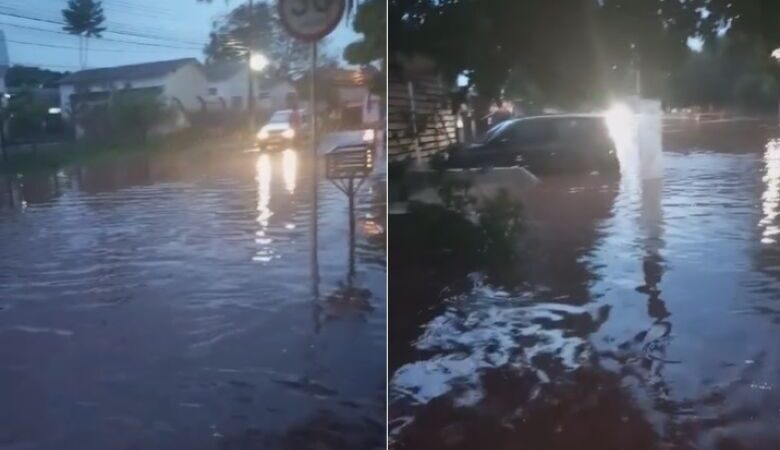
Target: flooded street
[[168, 301], [641, 316]]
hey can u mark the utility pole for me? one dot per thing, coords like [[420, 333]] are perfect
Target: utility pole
[[250, 104], [314, 164]]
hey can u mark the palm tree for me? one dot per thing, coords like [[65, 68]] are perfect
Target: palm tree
[[84, 19]]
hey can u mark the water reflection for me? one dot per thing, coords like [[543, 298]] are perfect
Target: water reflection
[[643, 315], [770, 204], [132, 307], [264, 213], [290, 169]]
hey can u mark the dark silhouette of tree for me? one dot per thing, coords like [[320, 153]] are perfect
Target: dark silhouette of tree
[[84, 18], [370, 21], [573, 50], [233, 37]]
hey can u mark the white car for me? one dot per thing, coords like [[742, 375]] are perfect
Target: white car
[[281, 131]]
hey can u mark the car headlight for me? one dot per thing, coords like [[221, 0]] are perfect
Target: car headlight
[[368, 135], [263, 134], [288, 133]]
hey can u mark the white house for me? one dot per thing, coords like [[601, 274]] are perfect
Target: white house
[[228, 86], [179, 82]]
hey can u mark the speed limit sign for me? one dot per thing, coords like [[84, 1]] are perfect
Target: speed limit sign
[[310, 20]]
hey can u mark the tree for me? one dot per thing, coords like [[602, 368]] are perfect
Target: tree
[[26, 116], [24, 76], [232, 38], [571, 49], [370, 21], [84, 18], [137, 112]]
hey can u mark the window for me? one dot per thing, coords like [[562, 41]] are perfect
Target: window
[[236, 102], [212, 91], [541, 131]]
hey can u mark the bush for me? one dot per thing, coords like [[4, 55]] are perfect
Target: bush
[[137, 113]]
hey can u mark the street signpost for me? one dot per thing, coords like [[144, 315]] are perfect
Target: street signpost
[[310, 21]]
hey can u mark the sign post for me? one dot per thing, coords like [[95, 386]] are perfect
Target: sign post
[[310, 21]]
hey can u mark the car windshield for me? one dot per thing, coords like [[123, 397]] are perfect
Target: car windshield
[[280, 117], [497, 130]]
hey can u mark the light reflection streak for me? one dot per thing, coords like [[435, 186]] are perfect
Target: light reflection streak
[[263, 178], [289, 169], [770, 199]]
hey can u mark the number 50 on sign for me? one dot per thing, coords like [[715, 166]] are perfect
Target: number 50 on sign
[[310, 20]]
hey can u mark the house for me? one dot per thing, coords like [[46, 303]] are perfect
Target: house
[[228, 86], [180, 82], [357, 105]]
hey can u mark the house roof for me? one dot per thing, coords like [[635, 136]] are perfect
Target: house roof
[[129, 72], [223, 70]]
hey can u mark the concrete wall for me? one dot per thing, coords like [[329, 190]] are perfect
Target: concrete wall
[[235, 86], [277, 96], [66, 90], [186, 85]]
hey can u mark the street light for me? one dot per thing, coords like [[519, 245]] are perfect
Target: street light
[[258, 62]]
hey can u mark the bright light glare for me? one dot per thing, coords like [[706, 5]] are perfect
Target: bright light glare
[[263, 134], [288, 133], [289, 169], [369, 135], [620, 122], [258, 62], [776, 53], [55, 110]]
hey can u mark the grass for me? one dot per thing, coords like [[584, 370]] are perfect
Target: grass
[[81, 152]]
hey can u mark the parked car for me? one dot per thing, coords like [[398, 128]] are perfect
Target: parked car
[[544, 145], [285, 129]]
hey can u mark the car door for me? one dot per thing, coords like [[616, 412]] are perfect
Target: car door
[[497, 149], [536, 144]]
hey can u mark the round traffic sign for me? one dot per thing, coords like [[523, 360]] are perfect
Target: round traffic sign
[[310, 20]]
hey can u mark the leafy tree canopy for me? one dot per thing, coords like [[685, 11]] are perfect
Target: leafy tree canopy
[[370, 21], [24, 76], [261, 31], [570, 49], [84, 17]]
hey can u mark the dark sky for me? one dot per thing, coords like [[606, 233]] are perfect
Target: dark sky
[[168, 29]]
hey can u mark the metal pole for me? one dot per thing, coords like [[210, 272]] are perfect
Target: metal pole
[[250, 103], [351, 195], [314, 165]]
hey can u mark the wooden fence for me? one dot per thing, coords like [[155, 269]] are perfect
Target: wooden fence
[[419, 118]]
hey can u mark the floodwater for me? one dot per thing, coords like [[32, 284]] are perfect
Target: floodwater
[[641, 316], [168, 301]]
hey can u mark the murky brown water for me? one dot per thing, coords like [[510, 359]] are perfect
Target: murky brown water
[[642, 317], [166, 301]]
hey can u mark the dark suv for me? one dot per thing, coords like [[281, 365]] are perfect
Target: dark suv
[[571, 143]]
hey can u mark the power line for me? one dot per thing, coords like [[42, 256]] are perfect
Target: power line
[[148, 44], [67, 47], [126, 33]]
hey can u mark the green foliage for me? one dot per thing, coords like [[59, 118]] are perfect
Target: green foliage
[[455, 194], [137, 113], [26, 116], [370, 21], [491, 241], [500, 224], [733, 71], [571, 51], [23, 76], [84, 17]]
